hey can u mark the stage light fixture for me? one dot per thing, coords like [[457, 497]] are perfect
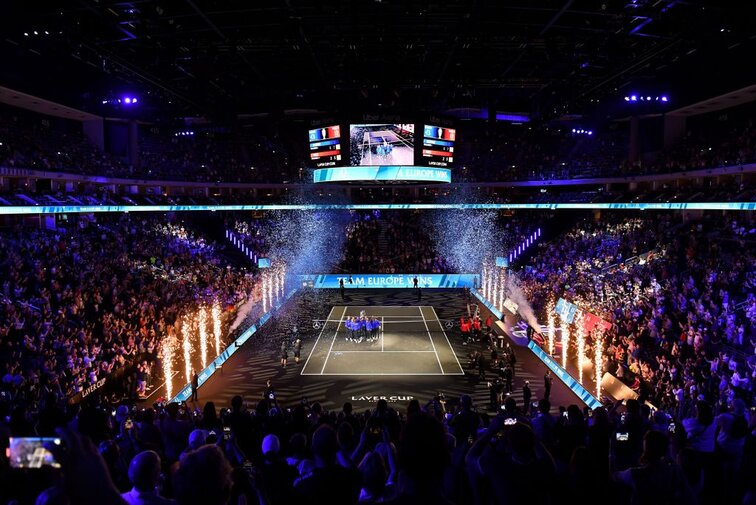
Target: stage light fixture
[[633, 98]]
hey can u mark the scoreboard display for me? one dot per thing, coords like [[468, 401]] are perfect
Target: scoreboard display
[[379, 148], [325, 146], [438, 145]]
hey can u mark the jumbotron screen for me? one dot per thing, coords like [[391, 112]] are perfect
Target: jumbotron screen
[[381, 144], [325, 146], [438, 145]]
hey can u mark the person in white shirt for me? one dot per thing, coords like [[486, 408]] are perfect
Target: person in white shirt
[[144, 474]]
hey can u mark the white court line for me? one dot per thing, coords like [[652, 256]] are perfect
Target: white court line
[[316, 341], [431, 339], [332, 341], [382, 338], [447, 339], [376, 315], [383, 306], [364, 350], [383, 374]]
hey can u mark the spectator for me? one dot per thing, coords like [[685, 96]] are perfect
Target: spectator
[[144, 474], [329, 482], [658, 479], [203, 477]]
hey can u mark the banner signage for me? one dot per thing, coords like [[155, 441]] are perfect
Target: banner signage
[[565, 310], [333, 281]]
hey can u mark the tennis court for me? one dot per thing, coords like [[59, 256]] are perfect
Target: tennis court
[[410, 341]]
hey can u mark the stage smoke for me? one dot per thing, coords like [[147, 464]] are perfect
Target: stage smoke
[[243, 312], [517, 295]]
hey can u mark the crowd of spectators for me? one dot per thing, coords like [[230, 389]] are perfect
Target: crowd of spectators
[[390, 242], [507, 153], [714, 146], [680, 299], [486, 152], [79, 304], [252, 233], [675, 293], [682, 319], [39, 146], [440, 452]]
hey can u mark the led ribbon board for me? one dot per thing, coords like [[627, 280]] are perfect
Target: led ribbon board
[[381, 173], [89, 209], [378, 281], [496, 312], [565, 377]]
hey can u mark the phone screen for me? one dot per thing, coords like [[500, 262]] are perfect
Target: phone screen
[[32, 452]]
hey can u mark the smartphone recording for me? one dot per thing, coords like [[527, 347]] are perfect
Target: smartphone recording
[[32, 452]]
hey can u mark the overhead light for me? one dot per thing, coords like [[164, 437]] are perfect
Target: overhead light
[[633, 98]]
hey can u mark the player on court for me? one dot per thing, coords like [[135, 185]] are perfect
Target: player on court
[[375, 325]]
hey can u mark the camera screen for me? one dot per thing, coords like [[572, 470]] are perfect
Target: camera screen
[[32, 452], [622, 437], [510, 421]]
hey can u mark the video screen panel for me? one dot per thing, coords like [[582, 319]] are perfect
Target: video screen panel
[[438, 145], [381, 144], [325, 146]]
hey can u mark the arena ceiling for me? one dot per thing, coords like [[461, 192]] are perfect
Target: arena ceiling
[[546, 57]]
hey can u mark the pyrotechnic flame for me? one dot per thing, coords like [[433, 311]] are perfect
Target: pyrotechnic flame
[[186, 330], [203, 334], [216, 312], [169, 354], [580, 339], [565, 330], [550, 315], [599, 350]]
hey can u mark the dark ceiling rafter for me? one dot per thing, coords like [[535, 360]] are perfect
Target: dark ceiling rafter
[[128, 67], [225, 40], [430, 55], [306, 44]]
